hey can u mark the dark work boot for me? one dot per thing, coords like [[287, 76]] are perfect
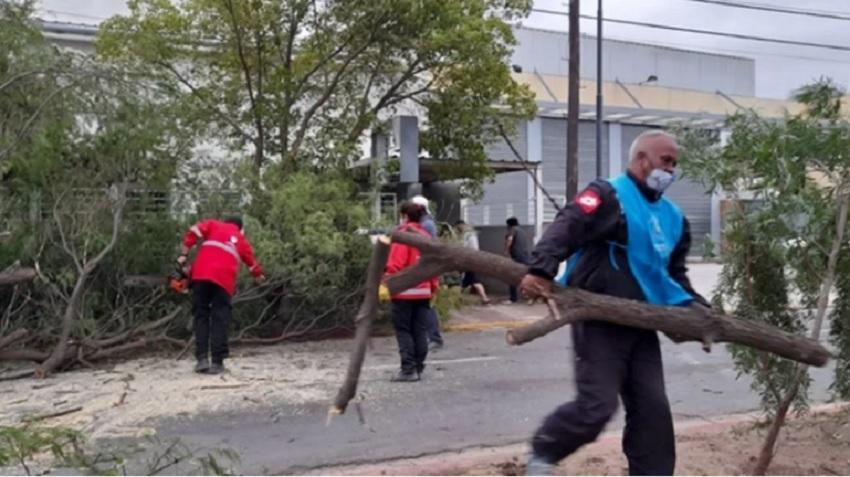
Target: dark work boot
[[403, 377], [203, 366], [217, 367]]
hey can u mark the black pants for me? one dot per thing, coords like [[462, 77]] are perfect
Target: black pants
[[212, 317], [614, 360], [410, 318]]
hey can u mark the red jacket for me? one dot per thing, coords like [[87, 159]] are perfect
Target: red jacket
[[403, 256], [222, 247]]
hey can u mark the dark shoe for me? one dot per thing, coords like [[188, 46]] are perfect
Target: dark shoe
[[434, 346], [216, 368], [203, 366], [405, 377]]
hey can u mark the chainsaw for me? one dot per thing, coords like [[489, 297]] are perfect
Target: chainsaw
[[178, 280]]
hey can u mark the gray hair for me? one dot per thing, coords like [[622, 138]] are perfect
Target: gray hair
[[633, 149]]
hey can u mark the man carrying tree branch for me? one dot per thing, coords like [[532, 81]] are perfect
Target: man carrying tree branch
[[624, 239]]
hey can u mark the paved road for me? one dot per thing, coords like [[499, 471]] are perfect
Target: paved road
[[476, 392]]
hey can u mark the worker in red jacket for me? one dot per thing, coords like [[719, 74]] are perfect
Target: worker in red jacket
[[410, 308], [214, 272]]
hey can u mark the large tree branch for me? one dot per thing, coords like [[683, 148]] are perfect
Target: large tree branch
[[253, 96], [302, 82], [72, 307], [210, 106], [28, 123], [301, 132], [17, 276], [363, 322], [389, 98], [575, 304]]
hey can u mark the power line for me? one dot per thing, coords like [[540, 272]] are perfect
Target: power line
[[771, 8], [712, 49], [72, 14], [739, 36]]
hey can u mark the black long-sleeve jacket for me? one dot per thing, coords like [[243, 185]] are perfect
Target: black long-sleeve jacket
[[590, 225]]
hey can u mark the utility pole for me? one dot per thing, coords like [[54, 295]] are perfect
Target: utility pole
[[572, 104], [599, 88]]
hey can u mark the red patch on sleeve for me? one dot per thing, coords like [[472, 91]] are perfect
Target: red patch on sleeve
[[588, 201]]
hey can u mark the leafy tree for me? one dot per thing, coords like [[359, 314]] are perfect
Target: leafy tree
[[298, 82], [784, 247]]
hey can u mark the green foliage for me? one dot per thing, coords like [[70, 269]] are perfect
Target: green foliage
[[777, 242], [293, 84], [18, 445], [35, 449], [447, 300], [839, 332], [309, 239]]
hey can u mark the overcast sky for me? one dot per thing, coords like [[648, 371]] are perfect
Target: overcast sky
[[779, 68]]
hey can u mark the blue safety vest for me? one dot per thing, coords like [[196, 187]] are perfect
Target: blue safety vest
[[654, 229]]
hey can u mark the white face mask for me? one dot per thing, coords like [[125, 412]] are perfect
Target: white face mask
[[659, 180]]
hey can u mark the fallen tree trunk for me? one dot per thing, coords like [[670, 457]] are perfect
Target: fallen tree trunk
[[574, 304], [17, 276]]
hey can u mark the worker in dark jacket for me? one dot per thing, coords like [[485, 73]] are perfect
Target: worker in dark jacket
[[624, 239], [222, 248]]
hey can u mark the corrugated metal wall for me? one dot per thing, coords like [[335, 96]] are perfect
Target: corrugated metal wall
[[555, 153], [508, 195]]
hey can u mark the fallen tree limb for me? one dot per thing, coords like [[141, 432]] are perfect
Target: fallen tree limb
[[84, 270], [575, 304], [17, 276], [23, 355], [13, 336], [13, 375], [103, 343], [63, 412], [363, 321]]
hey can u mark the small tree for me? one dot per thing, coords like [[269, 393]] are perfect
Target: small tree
[[783, 248]]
